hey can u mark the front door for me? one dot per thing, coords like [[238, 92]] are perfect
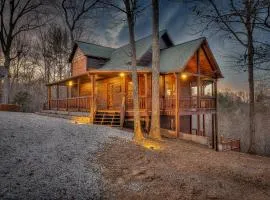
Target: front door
[[113, 96]]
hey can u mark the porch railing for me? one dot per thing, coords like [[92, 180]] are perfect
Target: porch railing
[[166, 103], [144, 102], [71, 104], [188, 103]]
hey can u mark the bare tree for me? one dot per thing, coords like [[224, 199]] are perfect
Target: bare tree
[[75, 11], [155, 119], [16, 17], [53, 51], [240, 20], [131, 9]]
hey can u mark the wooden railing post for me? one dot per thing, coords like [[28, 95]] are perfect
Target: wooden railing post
[[216, 117], [198, 91], [177, 95], [67, 98], [93, 99], [78, 95], [49, 97], [57, 97], [122, 112]]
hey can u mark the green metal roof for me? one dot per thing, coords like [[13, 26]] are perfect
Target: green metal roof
[[122, 55], [90, 49], [173, 59], [120, 68]]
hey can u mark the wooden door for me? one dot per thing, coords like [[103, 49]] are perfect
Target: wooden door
[[113, 96]]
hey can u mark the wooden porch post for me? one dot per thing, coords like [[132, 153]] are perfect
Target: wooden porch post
[[78, 94], [216, 116], [213, 131], [125, 89], [67, 97], [177, 91], [49, 97], [93, 102], [78, 87], [57, 96], [203, 124], [198, 92]]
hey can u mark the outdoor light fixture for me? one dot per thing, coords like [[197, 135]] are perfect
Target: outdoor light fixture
[[169, 92], [122, 74], [184, 76], [70, 83]]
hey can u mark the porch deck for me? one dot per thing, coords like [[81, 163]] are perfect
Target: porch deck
[[187, 105]]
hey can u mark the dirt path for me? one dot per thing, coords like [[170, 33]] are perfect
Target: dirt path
[[49, 158], [182, 171]]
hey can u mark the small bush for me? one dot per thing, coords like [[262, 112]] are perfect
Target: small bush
[[23, 98]]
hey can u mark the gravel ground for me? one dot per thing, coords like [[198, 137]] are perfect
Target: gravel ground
[[50, 158], [182, 170]]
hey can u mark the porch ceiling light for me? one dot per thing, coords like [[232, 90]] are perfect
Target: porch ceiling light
[[70, 83], [122, 74], [183, 76]]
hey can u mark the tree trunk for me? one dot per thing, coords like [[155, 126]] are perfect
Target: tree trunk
[[137, 121], [6, 86], [252, 147], [155, 119]]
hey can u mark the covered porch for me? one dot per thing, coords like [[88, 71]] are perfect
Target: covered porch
[[179, 92]]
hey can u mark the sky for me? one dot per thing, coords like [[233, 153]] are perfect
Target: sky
[[178, 20]]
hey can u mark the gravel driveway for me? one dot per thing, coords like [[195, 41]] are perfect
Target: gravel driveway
[[50, 158]]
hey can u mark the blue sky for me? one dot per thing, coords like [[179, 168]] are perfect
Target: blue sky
[[177, 18]]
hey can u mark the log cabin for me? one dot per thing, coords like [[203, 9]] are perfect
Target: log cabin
[[100, 85]]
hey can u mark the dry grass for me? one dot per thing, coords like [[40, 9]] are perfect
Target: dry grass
[[181, 170]]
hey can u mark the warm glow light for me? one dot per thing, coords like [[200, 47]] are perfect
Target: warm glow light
[[169, 92], [152, 145], [122, 74], [70, 83], [184, 76], [80, 120]]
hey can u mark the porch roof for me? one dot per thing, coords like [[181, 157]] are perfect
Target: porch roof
[[103, 70]]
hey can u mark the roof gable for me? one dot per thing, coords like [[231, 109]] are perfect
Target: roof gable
[[90, 49], [175, 58]]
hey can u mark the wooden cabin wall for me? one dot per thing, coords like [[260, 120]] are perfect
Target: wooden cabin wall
[[141, 82], [185, 89], [206, 68], [79, 63], [162, 86], [85, 89], [169, 85], [105, 88]]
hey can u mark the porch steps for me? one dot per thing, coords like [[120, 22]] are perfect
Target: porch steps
[[109, 118]]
